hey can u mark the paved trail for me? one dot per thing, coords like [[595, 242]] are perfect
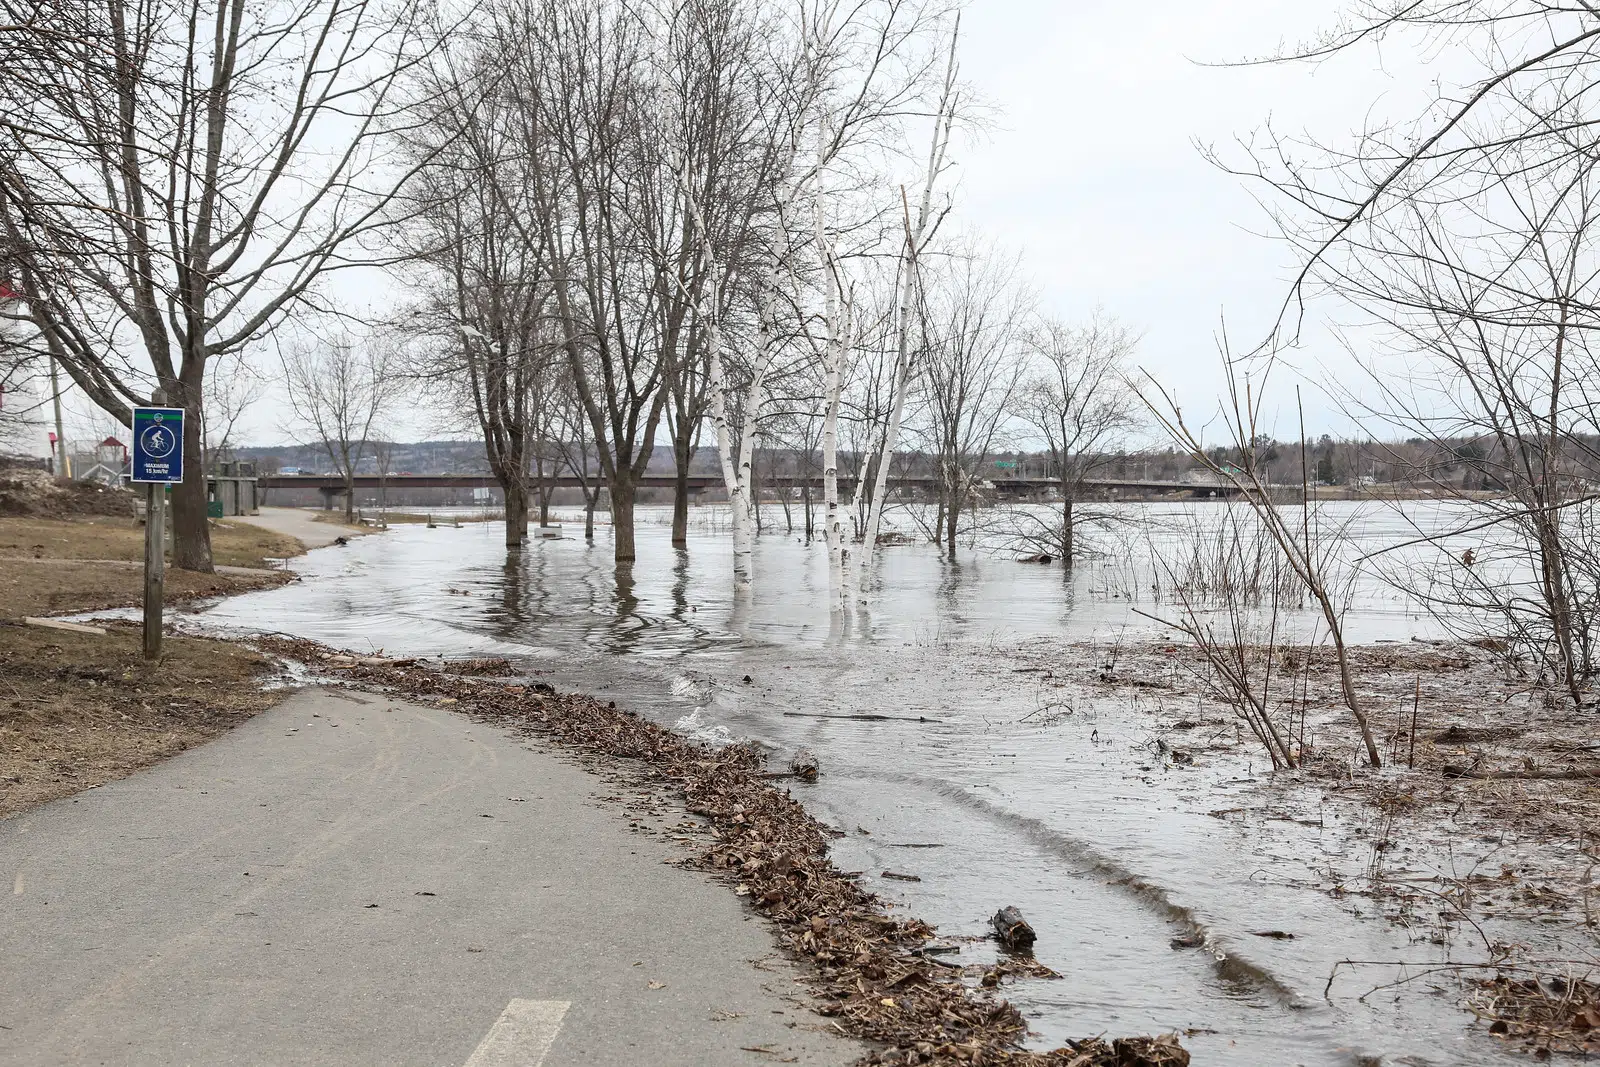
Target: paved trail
[[298, 522], [347, 879]]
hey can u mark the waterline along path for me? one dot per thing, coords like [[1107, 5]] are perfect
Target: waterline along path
[[974, 781]]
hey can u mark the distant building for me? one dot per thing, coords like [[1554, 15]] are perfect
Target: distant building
[[107, 464], [23, 397]]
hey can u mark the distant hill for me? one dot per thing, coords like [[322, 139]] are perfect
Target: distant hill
[[427, 457]]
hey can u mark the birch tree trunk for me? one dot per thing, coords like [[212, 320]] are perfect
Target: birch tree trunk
[[833, 354], [917, 235], [891, 438], [730, 472]]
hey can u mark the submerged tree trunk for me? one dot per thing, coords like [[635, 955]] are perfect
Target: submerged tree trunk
[[1067, 547], [755, 493], [516, 514], [891, 439], [681, 455], [622, 494], [953, 516]]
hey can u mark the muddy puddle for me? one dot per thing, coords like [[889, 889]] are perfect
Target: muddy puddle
[[975, 777]]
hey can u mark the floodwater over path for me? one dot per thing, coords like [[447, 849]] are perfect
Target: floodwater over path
[[960, 782]]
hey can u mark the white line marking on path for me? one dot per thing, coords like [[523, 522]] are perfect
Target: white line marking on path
[[522, 1035]]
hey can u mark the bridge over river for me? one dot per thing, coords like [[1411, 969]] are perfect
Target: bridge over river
[[332, 486]]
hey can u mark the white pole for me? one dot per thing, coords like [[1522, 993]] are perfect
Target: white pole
[[63, 461]]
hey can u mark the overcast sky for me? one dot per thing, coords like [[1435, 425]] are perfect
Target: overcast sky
[[1090, 170]]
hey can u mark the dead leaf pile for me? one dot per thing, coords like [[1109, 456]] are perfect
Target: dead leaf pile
[[488, 667], [870, 978], [1543, 1014]]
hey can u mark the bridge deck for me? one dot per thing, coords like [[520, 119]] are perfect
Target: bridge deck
[[330, 483]]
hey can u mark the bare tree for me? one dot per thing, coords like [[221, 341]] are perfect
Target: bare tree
[[1465, 237], [233, 386], [728, 128], [1296, 532], [920, 230], [972, 314], [582, 77], [177, 178], [1533, 65], [857, 70], [1078, 401], [340, 389], [868, 69], [483, 261], [1485, 306], [572, 437]]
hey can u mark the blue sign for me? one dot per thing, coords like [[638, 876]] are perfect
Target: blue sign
[[157, 445]]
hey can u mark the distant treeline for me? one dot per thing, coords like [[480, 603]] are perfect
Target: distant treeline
[[1464, 464]]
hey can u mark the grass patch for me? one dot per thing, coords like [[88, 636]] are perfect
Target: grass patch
[[236, 544], [78, 710], [63, 586]]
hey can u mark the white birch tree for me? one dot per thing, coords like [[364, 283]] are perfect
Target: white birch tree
[[919, 231]]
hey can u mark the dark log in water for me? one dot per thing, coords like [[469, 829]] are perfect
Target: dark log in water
[[1012, 930], [804, 765]]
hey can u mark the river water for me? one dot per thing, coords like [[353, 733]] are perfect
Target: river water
[[966, 786]]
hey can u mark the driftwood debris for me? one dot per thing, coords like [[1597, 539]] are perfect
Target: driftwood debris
[[1012, 930], [62, 624], [859, 717], [1530, 774], [804, 765], [491, 665]]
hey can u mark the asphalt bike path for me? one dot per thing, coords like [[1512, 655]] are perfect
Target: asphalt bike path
[[349, 879]]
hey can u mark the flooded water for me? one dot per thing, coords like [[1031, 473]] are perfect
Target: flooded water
[[962, 785]]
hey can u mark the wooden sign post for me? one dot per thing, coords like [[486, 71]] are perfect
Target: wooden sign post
[[157, 462]]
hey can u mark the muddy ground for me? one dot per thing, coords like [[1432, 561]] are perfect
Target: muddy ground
[[60, 587], [93, 561], [78, 710]]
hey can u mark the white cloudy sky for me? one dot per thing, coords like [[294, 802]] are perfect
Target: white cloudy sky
[[1090, 169], [1093, 170]]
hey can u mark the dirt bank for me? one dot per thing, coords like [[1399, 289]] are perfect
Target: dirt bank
[[77, 710], [31, 491]]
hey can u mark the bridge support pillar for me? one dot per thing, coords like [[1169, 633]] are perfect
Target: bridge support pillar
[[327, 497]]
